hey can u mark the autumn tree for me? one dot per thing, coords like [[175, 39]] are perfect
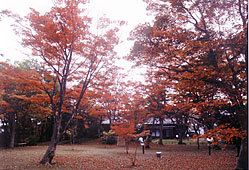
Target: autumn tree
[[156, 100], [132, 114], [70, 53], [136, 104], [23, 104], [8, 113], [180, 117], [108, 90], [202, 47], [162, 103], [38, 112], [126, 130]]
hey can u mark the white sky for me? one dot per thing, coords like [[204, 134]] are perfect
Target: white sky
[[132, 11]]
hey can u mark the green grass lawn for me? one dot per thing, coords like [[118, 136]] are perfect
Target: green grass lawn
[[96, 156], [174, 141]]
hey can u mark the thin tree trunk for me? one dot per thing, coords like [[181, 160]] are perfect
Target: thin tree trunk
[[153, 125], [13, 130], [198, 143], [41, 132], [198, 139], [161, 131], [110, 119], [100, 128], [75, 130], [147, 142], [135, 156], [127, 146], [180, 139], [180, 136]]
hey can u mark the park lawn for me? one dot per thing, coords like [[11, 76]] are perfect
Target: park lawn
[[95, 156], [174, 141]]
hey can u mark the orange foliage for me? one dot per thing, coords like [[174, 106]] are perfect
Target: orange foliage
[[71, 54], [205, 68], [224, 132], [21, 90]]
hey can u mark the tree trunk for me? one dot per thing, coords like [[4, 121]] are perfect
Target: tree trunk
[[41, 133], [127, 146], [161, 131], [100, 128], [110, 119], [50, 153], [198, 139], [135, 155], [13, 130], [242, 162], [180, 138], [181, 131], [181, 134], [198, 143], [147, 142], [74, 130]]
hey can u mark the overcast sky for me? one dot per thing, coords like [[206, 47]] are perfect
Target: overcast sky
[[132, 11]]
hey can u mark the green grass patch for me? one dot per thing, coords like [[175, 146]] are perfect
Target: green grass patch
[[174, 141]]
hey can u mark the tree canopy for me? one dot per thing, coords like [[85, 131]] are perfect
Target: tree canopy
[[195, 53], [201, 48]]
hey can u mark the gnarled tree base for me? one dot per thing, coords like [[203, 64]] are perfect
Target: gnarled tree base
[[50, 153]]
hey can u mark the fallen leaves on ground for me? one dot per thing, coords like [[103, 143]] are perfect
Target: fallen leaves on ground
[[104, 157]]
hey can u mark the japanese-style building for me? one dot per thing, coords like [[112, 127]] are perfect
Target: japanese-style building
[[169, 128]]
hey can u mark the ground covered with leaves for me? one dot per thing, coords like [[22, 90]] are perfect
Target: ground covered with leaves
[[95, 156]]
